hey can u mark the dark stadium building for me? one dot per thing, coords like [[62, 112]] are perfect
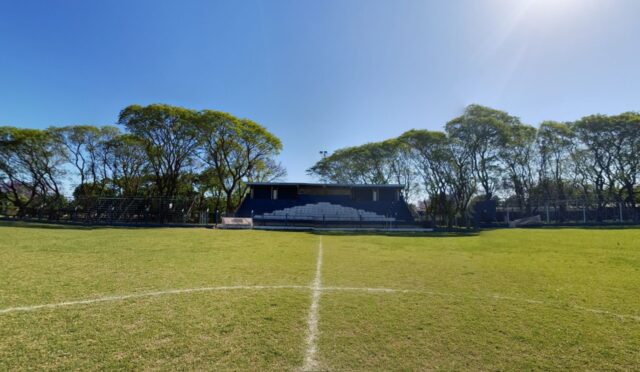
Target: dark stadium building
[[315, 203]]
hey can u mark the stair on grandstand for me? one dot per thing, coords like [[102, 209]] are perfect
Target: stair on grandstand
[[323, 211]]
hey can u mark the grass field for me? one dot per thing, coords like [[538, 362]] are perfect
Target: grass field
[[249, 300]]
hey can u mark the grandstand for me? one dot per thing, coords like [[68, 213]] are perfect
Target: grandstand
[[325, 204]]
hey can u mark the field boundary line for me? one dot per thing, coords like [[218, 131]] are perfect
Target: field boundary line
[[146, 294], [310, 360]]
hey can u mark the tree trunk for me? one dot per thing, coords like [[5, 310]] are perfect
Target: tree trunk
[[229, 202]]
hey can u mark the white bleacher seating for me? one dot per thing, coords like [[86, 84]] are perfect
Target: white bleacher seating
[[323, 211]]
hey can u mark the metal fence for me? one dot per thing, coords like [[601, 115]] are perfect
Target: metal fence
[[574, 211], [330, 221], [111, 210], [185, 211]]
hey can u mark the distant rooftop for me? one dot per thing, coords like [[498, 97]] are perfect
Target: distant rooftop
[[352, 185]]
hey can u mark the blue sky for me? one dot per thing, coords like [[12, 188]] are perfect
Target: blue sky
[[319, 74]]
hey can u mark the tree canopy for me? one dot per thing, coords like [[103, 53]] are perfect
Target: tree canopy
[[489, 154], [157, 151]]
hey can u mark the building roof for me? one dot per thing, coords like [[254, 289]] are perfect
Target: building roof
[[352, 185]]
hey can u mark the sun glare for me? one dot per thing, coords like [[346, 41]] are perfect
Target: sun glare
[[558, 7]]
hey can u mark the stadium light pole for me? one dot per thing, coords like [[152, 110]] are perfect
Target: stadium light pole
[[323, 153]]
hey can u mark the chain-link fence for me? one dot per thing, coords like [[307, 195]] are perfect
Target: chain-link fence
[[112, 210], [186, 211], [573, 211]]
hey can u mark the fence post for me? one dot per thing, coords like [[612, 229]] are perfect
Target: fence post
[[547, 208], [584, 213], [620, 206]]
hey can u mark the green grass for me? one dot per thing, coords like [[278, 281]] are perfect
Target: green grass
[[501, 300]]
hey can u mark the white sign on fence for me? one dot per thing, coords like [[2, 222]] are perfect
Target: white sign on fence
[[236, 223]]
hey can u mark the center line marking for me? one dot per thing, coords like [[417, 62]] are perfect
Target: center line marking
[[310, 361]]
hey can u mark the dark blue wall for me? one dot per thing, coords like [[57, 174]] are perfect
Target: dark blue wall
[[397, 209]]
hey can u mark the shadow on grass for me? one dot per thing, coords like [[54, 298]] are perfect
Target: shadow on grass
[[460, 233], [56, 225], [403, 234], [83, 226], [438, 233], [587, 227]]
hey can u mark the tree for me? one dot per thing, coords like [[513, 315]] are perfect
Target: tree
[[340, 167], [461, 179], [445, 168], [626, 147], [482, 130], [400, 167], [363, 164], [430, 157], [84, 149], [126, 160], [236, 151], [492, 150], [595, 157], [268, 170], [170, 137], [371, 163], [555, 145], [30, 167], [518, 155], [19, 188]]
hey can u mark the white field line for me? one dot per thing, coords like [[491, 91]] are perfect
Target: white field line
[[495, 296], [310, 361], [378, 289], [313, 287], [605, 312], [147, 294]]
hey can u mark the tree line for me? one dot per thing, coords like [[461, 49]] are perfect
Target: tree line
[[488, 154], [155, 151]]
